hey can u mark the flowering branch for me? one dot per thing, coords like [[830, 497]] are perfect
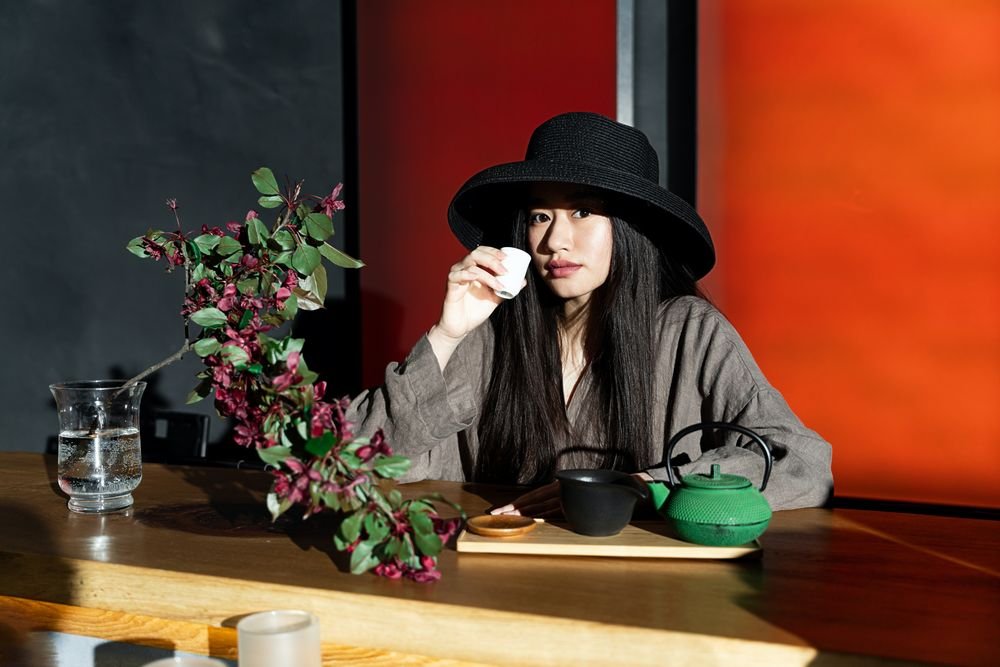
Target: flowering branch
[[238, 286]]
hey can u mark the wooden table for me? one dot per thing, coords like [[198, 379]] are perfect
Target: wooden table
[[198, 551]]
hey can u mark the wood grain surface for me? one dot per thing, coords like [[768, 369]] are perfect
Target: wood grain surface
[[640, 539], [843, 587]]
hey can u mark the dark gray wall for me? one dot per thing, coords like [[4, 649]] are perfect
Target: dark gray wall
[[107, 108]]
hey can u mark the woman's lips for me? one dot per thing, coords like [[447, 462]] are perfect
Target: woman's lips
[[562, 269]]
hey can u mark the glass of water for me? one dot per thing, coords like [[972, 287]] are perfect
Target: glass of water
[[100, 460]]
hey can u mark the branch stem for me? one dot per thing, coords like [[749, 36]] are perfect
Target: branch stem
[[176, 356]]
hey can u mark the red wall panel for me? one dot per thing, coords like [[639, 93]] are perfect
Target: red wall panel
[[850, 169], [448, 87]]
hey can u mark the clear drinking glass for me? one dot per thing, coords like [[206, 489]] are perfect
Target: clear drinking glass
[[100, 460], [281, 637]]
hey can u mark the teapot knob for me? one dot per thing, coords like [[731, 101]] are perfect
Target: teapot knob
[[716, 470]]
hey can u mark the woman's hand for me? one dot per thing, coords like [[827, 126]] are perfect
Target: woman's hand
[[542, 503], [469, 300]]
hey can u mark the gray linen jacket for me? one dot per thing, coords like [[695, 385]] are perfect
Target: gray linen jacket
[[703, 372]]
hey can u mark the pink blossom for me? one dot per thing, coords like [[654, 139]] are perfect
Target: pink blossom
[[228, 299], [153, 249], [234, 227], [251, 215], [390, 570], [322, 418], [445, 528], [172, 204], [290, 377], [214, 231], [378, 445], [428, 574], [331, 204]]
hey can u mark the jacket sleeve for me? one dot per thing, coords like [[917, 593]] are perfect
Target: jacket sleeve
[[732, 388], [421, 409]]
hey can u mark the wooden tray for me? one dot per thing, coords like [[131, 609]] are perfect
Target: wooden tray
[[640, 539]]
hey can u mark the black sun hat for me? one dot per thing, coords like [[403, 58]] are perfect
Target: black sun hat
[[591, 150]]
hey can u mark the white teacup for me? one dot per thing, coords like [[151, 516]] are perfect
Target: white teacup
[[516, 262]]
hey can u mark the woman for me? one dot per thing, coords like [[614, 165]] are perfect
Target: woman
[[607, 351]]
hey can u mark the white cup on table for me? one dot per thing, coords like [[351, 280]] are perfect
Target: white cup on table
[[516, 262], [279, 637], [186, 661]]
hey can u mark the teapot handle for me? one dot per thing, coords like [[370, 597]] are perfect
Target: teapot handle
[[768, 459]]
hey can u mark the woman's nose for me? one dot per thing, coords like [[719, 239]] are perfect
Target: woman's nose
[[560, 232]]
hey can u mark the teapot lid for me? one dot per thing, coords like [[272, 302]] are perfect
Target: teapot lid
[[716, 480]]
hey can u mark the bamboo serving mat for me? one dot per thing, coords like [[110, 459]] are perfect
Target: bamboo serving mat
[[641, 539]]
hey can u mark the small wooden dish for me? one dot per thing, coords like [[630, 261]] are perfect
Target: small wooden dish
[[500, 525]]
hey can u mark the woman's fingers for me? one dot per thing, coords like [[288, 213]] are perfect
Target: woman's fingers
[[473, 274], [543, 501], [487, 257]]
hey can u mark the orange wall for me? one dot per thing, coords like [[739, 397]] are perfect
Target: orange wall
[[850, 169], [445, 88]]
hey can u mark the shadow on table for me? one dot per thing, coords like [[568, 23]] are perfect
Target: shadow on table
[[841, 586], [27, 578]]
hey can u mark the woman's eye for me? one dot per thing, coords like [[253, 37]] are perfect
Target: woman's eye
[[581, 213], [536, 218]]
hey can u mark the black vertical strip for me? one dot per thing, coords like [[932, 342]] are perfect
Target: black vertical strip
[[349, 357], [682, 98]]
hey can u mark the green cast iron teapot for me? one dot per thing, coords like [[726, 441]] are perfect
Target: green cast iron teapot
[[716, 509]]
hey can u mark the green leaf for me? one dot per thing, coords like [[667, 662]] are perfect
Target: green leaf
[[391, 466], [277, 507], [339, 257], [273, 201], [319, 226], [207, 346], [135, 247], [235, 355], [255, 369], [305, 259], [321, 445], [247, 286], [194, 252], [333, 502], [423, 534], [210, 318], [207, 242], [420, 521], [257, 231], [274, 455], [245, 320], [406, 549], [350, 527], [203, 389], [201, 271], [311, 290], [428, 543], [291, 307], [302, 211], [227, 246], [284, 239], [362, 559], [376, 527], [263, 180]]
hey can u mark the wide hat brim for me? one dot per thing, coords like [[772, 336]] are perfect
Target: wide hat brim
[[482, 211]]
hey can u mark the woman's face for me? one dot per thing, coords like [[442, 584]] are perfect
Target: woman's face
[[569, 240]]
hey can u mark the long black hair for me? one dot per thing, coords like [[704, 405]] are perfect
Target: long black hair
[[523, 426]]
